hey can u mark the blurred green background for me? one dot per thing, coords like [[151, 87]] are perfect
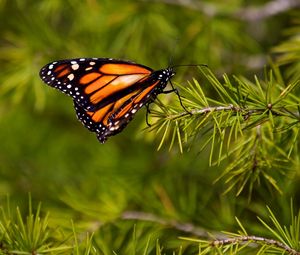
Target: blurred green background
[[44, 150]]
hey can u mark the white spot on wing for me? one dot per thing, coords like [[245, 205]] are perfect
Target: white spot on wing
[[71, 76], [75, 66]]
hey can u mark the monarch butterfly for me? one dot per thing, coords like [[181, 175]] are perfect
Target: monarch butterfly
[[106, 92]]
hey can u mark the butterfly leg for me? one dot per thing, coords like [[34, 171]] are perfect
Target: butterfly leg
[[178, 95], [147, 113]]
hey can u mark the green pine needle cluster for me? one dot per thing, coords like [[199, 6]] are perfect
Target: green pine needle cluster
[[242, 119], [34, 235], [281, 239], [288, 52], [31, 235]]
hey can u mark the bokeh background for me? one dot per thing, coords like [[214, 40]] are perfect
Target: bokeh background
[[46, 152]]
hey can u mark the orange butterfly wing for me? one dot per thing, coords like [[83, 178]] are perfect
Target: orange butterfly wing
[[93, 82], [106, 92]]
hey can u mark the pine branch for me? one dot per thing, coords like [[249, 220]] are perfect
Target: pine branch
[[270, 9], [243, 105], [180, 226], [235, 109], [255, 239], [244, 120], [286, 239], [250, 14]]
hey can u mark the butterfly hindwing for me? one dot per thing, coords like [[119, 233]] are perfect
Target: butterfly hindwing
[[103, 128], [114, 117]]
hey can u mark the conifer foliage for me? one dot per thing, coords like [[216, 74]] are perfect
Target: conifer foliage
[[217, 176]]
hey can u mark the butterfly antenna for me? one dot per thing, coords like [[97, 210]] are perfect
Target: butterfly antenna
[[147, 113], [170, 60], [203, 65]]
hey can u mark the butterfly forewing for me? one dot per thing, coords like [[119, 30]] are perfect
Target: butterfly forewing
[[90, 82], [106, 92]]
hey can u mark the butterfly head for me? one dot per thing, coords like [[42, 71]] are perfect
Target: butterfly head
[[165, 74], [171, 71]]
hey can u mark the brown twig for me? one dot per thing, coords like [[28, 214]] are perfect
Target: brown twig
[[184, 227], [255, 239], [246, 113], [249, 14], [216, 109], [267, 10], [206, 110], [200, 232]]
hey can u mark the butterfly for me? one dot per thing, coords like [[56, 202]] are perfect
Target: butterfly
[[106, 92]]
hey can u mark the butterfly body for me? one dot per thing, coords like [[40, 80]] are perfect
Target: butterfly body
[[106, 92]]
